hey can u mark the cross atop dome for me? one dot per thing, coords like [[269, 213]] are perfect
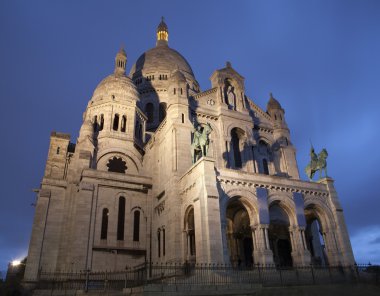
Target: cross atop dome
[[162, 33]]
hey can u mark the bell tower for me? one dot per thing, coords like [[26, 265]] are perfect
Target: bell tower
[[286, 153], [120, 62]]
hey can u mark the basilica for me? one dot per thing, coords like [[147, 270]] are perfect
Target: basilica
[[163, 171]]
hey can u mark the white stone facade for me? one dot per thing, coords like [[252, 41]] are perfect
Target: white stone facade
[[128, 192]]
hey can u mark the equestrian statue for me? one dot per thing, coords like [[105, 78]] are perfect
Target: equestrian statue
[[200, 144], [317, 163]]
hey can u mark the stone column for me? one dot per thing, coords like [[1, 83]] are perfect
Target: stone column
[[300, 253], [262, 253]]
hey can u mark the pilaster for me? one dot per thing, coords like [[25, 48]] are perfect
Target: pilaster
[[341, 234]]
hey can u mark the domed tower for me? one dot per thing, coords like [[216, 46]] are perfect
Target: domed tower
[[151, 74], [113, 130], [285, 159]]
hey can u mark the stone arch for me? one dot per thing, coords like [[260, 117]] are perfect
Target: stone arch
[[154, 99], [239, 125], [266, 139], [248, 199], [323, 212], [286, 202], [282, 217], [190, 233], [320, 232], [239, 212], [132, 161], [240, 215]]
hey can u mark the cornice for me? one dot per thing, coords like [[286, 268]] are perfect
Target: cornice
[[205, 93], [297, 186]]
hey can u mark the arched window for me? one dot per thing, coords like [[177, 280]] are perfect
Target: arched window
[[58, 149], [101, 122], [116, 122], [265, 167], [236, 148], [95, 126], [104, 228], [190, 231], [138, 131], [149, 111], [159, 242], [123, 124], [121, 218], [162, 111], [136, 226], [163, 241]]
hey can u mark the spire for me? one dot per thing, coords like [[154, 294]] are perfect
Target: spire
[[120, 62], [162, 33]]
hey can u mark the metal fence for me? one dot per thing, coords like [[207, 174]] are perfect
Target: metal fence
[[208, 274]]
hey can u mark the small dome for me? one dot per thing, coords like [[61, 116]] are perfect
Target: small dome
[[273, 103], [115, 87]]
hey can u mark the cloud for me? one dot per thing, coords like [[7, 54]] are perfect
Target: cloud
[[365, 245], [376, 241]]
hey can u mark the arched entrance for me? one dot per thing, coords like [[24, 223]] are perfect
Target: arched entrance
[[239, 234], [314, 237], [279, 238], [190, 235]]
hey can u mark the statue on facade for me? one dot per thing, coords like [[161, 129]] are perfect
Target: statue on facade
[[317, 163], [231, 97], [200, 144]]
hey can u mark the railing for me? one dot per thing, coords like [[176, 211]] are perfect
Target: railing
[[208, 274]]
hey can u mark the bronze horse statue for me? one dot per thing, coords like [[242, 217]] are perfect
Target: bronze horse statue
[[199, 147], [317, 163]]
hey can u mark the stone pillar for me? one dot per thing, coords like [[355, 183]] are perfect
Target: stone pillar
[[81, 246], [262, 254], [209, 248], [345, 255], [37, 239], [300, 253], [332, 252]]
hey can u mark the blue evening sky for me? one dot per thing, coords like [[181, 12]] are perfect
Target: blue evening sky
[[320, 58]]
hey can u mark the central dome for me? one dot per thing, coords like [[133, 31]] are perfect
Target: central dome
[[156, 65], [160, 59]]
